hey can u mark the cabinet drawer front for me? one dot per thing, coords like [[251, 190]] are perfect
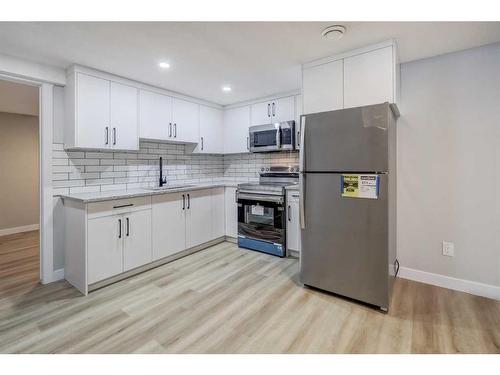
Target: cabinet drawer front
[[118, 206]]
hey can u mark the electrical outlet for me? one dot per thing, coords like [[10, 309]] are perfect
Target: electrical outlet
[[448, 249]]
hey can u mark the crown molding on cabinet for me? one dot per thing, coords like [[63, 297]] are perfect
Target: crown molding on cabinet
[[263, 99]]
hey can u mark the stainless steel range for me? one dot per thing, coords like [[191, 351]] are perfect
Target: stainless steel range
[[261, 210]]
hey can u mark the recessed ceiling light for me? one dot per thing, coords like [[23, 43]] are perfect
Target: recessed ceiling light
[[226, 88], [164, 65], [334, 32]]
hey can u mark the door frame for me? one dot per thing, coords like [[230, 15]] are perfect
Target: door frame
[[45, 139]]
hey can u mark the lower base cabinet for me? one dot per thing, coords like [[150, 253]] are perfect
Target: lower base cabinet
[[198, 217], [169, 224], [137, 240], [231, 212], [293, 223]]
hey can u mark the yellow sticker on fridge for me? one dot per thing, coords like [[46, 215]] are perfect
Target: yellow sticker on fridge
[[360, 186]]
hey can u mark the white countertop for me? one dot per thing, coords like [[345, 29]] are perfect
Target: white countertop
[[120, 194]]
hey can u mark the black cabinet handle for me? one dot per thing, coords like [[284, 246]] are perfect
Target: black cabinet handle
[[289, 214], [107, 135], [183, 202], [124, 205], [114, 136], [119, 228], [274, 109], [189, 202], [175, 130], [268, 109], [170, 130], [128, 227]]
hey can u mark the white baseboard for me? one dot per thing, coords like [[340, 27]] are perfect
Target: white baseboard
[[472, 287], [55, 276], [24, 228]]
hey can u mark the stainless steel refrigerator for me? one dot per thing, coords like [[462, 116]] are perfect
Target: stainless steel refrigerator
[[348, 231]]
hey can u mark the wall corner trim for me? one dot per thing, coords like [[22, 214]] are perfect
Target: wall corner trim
[[467, 286]]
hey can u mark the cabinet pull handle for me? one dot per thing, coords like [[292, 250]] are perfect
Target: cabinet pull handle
[[170, 130], [183, 202], [175, 130], [114, 136], [298, 138], [128, 227], [274, 109], [189, 202], [124, 205], [289, 213], [201, 143], [268, 110], [248, 143], [119, 228], [106, 135]]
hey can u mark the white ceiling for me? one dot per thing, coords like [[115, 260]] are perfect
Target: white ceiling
[[256, 58]]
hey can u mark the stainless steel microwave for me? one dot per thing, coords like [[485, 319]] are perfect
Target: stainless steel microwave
[[272, 137]]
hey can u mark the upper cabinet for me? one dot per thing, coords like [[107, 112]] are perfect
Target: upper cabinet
[[168, 119], [236, 124], [155, 115], [276, 110], [323, 87], [369, 78], [100, 114], [362, 77], [211, 131]]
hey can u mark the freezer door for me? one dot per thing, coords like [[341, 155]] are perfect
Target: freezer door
[[345, 240], [353, 139]]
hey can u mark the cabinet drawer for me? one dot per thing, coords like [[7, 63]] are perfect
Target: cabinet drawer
[[118, 206]]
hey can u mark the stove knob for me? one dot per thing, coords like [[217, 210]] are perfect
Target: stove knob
[[267, 169], [262, 169]]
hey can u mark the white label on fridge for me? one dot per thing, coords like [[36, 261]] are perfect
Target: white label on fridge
[[360, 186]]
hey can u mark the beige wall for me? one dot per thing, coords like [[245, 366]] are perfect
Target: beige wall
[[18, 98], [19, 170]]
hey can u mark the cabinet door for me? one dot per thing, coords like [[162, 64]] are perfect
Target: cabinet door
[[283, 109], [261, 113], [185, 120], [124, 117], [298, 113], [368, 78], [155, 115], [211, 131], [169, 225], [218, 214], [322, 87], [236, 124], [92, 112], [104, 247], [137, 240], [231, 209], [198, 217], [293, 225]]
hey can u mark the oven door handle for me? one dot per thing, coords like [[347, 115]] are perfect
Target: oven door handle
[[261, 197]]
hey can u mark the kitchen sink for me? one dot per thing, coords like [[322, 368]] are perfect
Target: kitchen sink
[[169, 187]]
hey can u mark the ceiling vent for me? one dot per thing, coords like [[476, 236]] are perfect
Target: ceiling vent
[[334, 32]]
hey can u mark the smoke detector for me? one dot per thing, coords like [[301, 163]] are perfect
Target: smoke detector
[[334, 32]]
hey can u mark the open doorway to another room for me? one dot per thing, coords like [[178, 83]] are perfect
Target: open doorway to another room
[[19, 188]]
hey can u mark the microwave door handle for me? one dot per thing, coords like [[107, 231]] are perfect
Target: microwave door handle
[[278, 137]]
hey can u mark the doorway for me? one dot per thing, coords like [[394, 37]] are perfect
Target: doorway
[[19, 187]]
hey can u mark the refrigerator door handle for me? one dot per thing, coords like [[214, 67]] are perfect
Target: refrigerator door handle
[[302, 198], [302, 143]]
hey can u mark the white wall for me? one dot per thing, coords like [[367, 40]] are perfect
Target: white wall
[[449, 164], [18, 98]]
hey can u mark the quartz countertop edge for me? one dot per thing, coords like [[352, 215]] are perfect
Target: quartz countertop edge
[[134, 193]]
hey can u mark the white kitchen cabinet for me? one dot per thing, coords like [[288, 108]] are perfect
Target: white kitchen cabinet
[[236, 124], [231, 209], [105, 248], [293, 224], [368, 78], [322, 87], [275, 110], [124, 117], [185, 121], [218, 213], [92, 112], [169, 224], [198, 217], [211, 131], [298, 113], [136, 239], [100, 114], [155, 115]]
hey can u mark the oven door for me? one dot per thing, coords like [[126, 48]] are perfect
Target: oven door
[[265, 138], [261, 223]]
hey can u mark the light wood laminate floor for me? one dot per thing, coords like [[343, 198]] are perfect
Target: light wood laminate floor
[[229, 300]]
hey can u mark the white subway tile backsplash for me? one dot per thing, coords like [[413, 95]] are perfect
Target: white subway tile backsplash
[[77, 171]]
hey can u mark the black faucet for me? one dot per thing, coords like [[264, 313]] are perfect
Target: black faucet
[[163, 180]]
